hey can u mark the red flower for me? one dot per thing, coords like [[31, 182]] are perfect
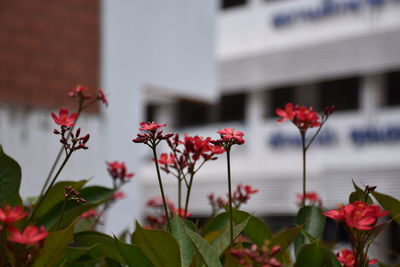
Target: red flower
[[229, 134], [102, 97], [287, 114], [89, 214], [150, 126], [346, 257], [30, 236], [164, 159], [63, 119], [10, 214], [181, 213], [312, 197], [117, 170], [79, 90], [118, 195]]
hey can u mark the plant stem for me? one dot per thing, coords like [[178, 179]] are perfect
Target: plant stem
[[61, 215], [188, 193], [48, 189], [161, 186], [179, 192], [303, 141], [228, 161]]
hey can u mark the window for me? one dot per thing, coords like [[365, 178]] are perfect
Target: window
[[191, 113], [277, 98], [393, 89], [344, 93], [151, 110], [232, 3], [232, 108]]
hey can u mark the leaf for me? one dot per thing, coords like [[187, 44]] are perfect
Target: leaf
[[206, 251], [255, 229], [72, 254], [160, 247], [54, 246], [314, 223], [223, 241], [185, 244], [359, 195], [285, 238], [316, 256], [56, 195], [132, 255], [105, 245], [10, 180], [390, 204], [217, 223]]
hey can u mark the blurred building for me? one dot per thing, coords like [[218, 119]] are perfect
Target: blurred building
[[310, 52]]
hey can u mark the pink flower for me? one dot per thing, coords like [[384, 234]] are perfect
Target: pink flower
[[164, 159], [118, 195], [229, 134], [346, 257], [63, 119], [102, 97], [117, 170], [30, 236], [287, 114], [181, 213], [89, 214], [150, 126], [312, 197], [10, 214], [79, 90], [301, 116]]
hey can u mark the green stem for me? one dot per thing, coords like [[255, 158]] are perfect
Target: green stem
[[228, 161], [48, 189], [161, 186], [189, 188], [303, 141], [179, 192], [61, 215]]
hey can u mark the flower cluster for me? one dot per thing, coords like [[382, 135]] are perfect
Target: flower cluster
[[118, 195], [257, 256], [80, 92], [311, 198], [66, 121], [228, 138], [90, 214], [73, 194], [346, 257], [240, 196], [152, 136], [357, 215], [117, 171], [31, 235]]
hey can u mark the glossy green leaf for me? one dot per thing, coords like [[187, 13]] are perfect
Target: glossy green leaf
[[95, 195], [359, 195], [390, 204], [73, 254], [105, 245], [160, 247], [285, 238], [56, 196], [217, 223], [314, 223], [316, 256], [132, 255], [10, 180], [223, 241], [255, 229], [185, 244], [206, 251], [54, 247]]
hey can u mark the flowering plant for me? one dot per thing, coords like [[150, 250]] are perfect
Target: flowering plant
[[61, 228]]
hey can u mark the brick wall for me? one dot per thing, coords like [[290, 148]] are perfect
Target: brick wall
[[46, 48]]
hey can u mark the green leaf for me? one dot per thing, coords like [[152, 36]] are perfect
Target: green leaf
[[160, 247], [132, 255], [314, 223], [95, 195], [105, 245], [206, 251], [285, 238], [316, 256], [56, 196], [359, 195], [73, 254], [223, 241], [217, 223], [185, 244], [10, 180], [54, 247], [255, 229], [390, 204]]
